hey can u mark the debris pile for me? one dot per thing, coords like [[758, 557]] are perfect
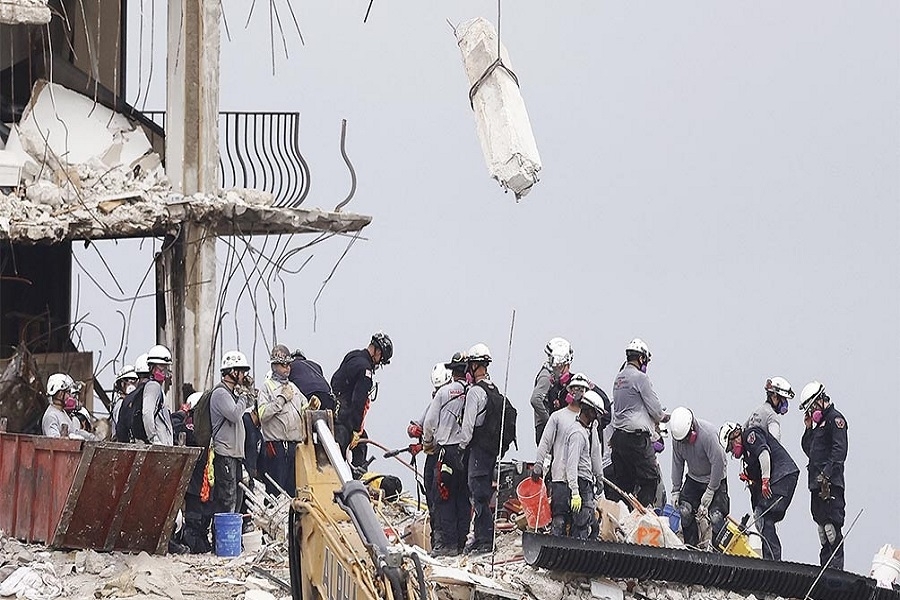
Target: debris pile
[[24, 12]]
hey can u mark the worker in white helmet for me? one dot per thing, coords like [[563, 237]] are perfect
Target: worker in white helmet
[[768, 415], [549, 394], [226, 415], [155, 413]]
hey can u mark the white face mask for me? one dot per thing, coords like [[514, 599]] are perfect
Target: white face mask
[[130, 388]]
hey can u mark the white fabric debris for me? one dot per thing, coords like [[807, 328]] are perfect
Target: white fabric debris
[[502, 123], [35, 582], [886, 567], [24, 12]]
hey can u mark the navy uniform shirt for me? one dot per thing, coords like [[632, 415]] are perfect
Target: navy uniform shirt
[[308, 377], [352, 383], [757, 440], [826, 446]]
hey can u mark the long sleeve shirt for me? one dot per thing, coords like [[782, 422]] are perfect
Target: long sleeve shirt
[[53, 420], [765, 457], [636, 406], [443, 419], [280, 410], [156, 415], [351, 384], [553, 442], [825, 443], [542, 383], [766, 418], [582, 455], [705, 458], [226, 419], [476, 406]]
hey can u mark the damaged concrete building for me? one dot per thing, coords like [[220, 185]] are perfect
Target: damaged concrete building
[[79, 164]]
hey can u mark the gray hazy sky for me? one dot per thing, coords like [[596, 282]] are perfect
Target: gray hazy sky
[[719, 179]]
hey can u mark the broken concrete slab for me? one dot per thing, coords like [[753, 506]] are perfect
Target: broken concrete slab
[[502, 123], [24, 12]]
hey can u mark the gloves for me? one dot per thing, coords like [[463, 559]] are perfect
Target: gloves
[[414, 430], [745, 478], [537, 472], [766, 490], [707, 498], [415, 449], [675, 496], [315, 403], [824, 486], [575, 503], [355, 440], [659, 445]]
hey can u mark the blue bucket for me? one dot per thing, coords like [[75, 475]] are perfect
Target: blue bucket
[[673, 514], [228, 533]]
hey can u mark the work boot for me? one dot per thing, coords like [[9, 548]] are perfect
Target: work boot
[[480, 548], [438, 551]]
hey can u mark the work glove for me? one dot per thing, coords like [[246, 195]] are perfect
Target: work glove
[[824, 487], [315, 403], [415, 449], [707, 498], [575, 503], [675, 496], [537, 472], [745, 478], [354, 441], [659, 445], [414, 430], [766, 490]]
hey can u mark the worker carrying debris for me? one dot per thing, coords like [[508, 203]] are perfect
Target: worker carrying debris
[[352, 384], [637, 413], [574, 504], [280, 410], [825, 443], [703, 492], [770, 474], [768, 416], [442, 429]]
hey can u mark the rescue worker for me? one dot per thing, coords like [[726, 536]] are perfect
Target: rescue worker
[[553, 438], [440, 376], [155, 411], [56, 422], [771, 476], [575, 504], [768, 416], [825, 444], [352, 384], [141, 368], [637, 412], [126, 381], [307, 375], [549, 392], [197, 514], [280, 412], [226, 410], [703, 491], [482, 455], [442, 429]]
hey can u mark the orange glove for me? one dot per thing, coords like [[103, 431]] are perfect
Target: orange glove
[[766, 490]]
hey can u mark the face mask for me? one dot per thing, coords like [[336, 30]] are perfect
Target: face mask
[[782, 407], [737, 449], [570, 398], [817, 416], [644, 367], [159, 376], [70, 404], [564, 378], [692, 437], [279, 377], [130, 388]]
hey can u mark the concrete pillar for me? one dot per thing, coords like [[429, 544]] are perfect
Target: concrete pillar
[[192, 162]]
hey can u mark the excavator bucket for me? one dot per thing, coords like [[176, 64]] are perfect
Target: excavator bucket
[[736, 573]]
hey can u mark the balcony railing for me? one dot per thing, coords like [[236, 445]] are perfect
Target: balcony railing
[[259, 150]]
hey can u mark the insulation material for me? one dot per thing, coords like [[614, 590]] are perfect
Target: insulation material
[[500, 116]]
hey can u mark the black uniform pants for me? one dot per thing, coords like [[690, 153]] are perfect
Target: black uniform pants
[[829, 516], [197, 519], [769, 511], [579, 524], [450, 494], [343, 436], [226, 496], [481, 475], [689, 502], [278, 461], [634, 465]]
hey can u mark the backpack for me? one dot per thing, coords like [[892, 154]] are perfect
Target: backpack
[[498, 431], [203, 420], [130, 424]]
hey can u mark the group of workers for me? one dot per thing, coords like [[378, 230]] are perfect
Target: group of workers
[[571, 418]]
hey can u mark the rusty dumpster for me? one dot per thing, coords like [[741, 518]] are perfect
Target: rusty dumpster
[[101, 495]]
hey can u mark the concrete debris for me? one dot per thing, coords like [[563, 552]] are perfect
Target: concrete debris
[[504, 129], [886, 566], [24, 12], [34, 582]]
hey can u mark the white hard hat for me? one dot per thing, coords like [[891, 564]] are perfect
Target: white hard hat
[[193, 399], [640, 346], [780, 386], [234, 359], [725, 432], [579, 380], [57, 383], [811, 391], [126, 372], [680, 423], [479, 353], [140, 365], [593, 399], [559, 352], [159, 355], [440, 375]]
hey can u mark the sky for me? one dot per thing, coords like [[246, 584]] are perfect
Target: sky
[[719, 179]]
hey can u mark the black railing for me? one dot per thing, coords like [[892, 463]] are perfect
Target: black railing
[[259, 150]]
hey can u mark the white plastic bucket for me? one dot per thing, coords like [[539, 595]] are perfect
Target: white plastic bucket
[[252, 541], [885, 570]]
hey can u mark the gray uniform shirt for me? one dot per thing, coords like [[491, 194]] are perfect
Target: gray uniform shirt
[[765, 418], [541, 386], [476, 405], [53, 420], [636, 407], [443, 419], [705, 458], [156, 415], [553, 442], [582, 455], [226, 418], [281, 408]]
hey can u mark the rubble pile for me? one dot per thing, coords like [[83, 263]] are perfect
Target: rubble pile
[[24, 12]]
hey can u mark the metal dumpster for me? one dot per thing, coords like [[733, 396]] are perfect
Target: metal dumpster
[[100, 495]]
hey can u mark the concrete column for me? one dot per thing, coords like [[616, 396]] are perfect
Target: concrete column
[[192, 162]]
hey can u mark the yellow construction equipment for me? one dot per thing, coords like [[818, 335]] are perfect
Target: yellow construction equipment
[[734, 539]]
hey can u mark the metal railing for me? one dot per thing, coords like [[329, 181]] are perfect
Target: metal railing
[[259, 150]]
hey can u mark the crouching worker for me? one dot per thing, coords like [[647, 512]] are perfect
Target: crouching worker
[[703, 492], [770, 474], [574, 504]]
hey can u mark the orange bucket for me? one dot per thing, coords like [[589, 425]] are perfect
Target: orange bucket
[[533, 496]]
